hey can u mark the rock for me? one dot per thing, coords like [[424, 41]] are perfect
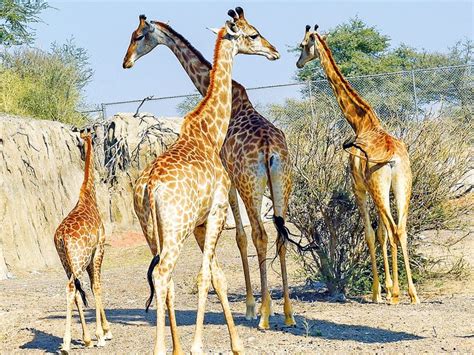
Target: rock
[[41, 172]]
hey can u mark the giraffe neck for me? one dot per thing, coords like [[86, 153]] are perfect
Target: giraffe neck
[[356, 110], [195, 65], [88, 183], [211, 116]]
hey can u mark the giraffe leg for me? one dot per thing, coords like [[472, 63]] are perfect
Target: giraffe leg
[[214, 225], [379, 187], [361, 199], [86, 337], [172, 317], [253, 205], [281, 189], [241, 238], [102, 325], [382, 237], [402, 190], [162, 284], [70, 297]]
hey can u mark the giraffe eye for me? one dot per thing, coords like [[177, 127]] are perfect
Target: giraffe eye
[[254, 36], [139, 38]]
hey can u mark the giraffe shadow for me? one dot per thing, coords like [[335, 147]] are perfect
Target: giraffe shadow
[[306, 327], [45, 341]]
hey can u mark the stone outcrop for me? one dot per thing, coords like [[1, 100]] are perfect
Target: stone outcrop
[[41, 171]]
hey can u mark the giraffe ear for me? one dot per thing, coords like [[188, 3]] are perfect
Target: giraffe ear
[[214, 30], [232, 28]]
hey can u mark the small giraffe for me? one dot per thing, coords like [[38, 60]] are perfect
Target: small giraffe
[[378, 162], [79, 240], [254, 153], [185, 190]]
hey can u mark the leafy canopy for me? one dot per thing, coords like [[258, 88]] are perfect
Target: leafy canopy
[[15, 16], [360, 49]]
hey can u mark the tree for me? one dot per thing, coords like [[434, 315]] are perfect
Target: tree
[[360, 49], [15, 16], [44, 85]]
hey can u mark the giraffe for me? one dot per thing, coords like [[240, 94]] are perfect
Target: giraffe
[[79, 241], [185, 190], [252, 144], [378, 162]]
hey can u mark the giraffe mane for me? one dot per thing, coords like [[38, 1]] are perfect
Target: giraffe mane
[[235, 85], [186, 42], [359, 100], [198, 109]]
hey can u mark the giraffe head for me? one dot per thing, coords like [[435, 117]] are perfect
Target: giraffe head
[[86, 133], [308, 48], [247, 39], [141, 43]]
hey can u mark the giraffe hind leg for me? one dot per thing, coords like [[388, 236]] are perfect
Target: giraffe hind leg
[[241, 239]]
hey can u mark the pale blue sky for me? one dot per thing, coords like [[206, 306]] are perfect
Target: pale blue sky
[[104, 29]]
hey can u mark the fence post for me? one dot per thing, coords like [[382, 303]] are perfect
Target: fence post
[[414, 92], [104, 112], [311, 99]]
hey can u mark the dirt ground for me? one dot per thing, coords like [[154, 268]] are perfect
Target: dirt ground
[[32, 309]]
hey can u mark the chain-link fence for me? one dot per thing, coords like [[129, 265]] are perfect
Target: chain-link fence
[[411, 94]]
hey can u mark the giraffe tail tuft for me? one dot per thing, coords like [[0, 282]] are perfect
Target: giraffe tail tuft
[[153, 263], [282, 230], [77, 283]]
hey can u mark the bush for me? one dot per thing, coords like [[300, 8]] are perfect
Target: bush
[[44, 85], [323, 207]]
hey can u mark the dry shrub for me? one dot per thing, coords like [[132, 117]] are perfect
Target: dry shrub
[[323, 208]]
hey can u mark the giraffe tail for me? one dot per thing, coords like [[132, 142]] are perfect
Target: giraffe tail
[[77, 283], [274, 168], [153, 263], [156, 259]]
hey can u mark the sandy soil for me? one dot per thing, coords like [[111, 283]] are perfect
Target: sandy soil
[[32, 310]]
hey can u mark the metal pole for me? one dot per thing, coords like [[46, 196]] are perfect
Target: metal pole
[[414, 93], [104, 112], [311, 99]]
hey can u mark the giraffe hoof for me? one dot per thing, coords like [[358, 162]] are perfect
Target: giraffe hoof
[[101, 342], [88, 343], [290, 321], [250, 313], [415, 300], [394, 300], [108, 335], [264, 324], [63, 350]]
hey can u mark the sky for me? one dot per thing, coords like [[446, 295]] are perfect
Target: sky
[[104, 29]]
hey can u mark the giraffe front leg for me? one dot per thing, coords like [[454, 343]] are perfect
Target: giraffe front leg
[[382, 237], [177, 350], [86, 337], [214, 225]]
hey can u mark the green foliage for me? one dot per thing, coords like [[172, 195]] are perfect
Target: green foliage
[[15, 16], [44, 85], [188, 104], [360, 49]]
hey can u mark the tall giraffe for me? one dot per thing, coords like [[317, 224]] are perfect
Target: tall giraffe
[[378, 162], [185, 190], [252, 144], [79, 240]]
